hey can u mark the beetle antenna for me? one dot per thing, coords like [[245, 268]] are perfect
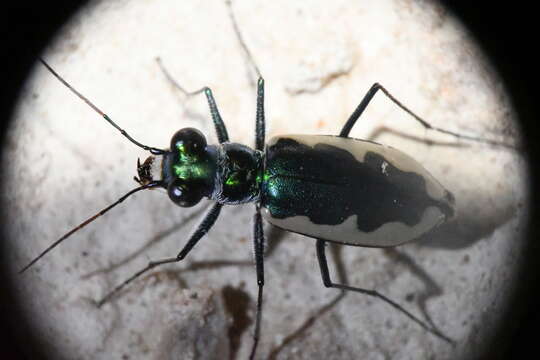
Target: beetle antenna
[[86, 222], [153, 150]]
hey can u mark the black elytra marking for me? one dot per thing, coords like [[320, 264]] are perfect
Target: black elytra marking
[[328, 185]]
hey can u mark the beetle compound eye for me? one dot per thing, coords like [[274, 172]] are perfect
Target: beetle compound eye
[[185, 194], [188, 141]]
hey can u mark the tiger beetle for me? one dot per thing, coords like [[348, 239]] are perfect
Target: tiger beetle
[[332, 188]]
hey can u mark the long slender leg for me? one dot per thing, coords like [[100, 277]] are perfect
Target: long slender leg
[[221, 129], [207, 223], [371, 93], [259, 122], [323, 264], [258, 245]]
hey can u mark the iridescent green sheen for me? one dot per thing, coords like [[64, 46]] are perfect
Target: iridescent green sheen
[[193, 171], [191, 167], [241, 171], [233, 180], [328, 184], [198, 169]]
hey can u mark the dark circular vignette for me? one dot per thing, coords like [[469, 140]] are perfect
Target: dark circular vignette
[[27, 27], [504, 32]]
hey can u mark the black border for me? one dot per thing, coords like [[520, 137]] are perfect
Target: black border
[[506, 31], [26, 28]]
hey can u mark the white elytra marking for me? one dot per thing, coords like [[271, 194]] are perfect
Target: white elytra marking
[[384, 165], [359, 148], [390, 234]]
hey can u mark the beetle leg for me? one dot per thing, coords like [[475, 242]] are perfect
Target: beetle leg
[[371, 93], [365, 102], [259, 122], [221, 129], [258, 247], [207, 223], [323, 264]]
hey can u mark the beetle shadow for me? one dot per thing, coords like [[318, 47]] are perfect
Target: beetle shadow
[[381, 129], [464, 231], [236, 300], [470, 225], [431, 288], [273, 237], [303, 330], [150, 243], [477, 220]]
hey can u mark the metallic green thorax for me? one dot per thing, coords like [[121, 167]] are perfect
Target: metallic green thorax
[[240, 173]]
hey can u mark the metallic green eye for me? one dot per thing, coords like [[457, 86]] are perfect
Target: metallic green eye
[[185, 194], [188, 141]]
